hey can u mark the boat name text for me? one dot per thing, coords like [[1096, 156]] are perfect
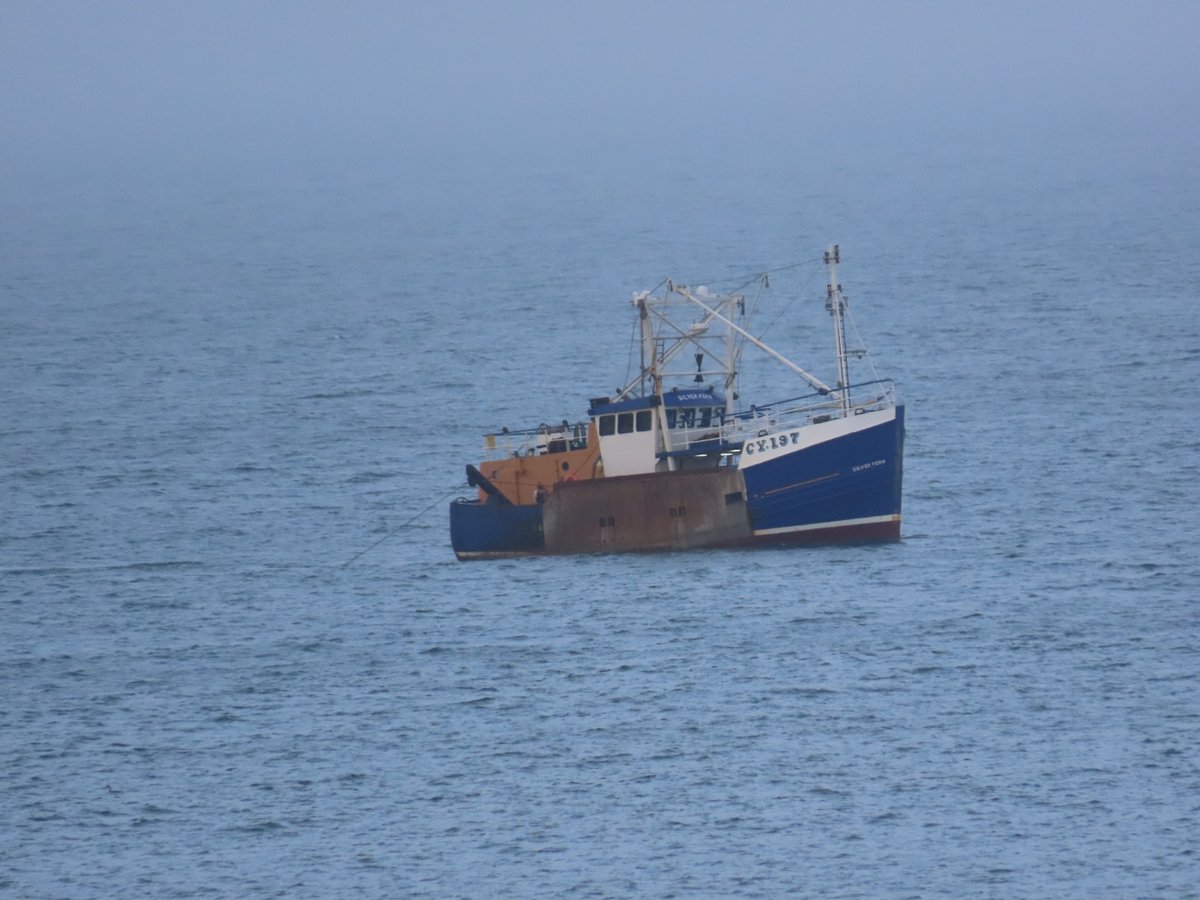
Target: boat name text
[[870, 465], [774, 442]]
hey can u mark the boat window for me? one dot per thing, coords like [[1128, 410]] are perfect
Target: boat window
[[606, 424], [704, 417], [643, 420], [687, 417], [624, 423], [670, 418]]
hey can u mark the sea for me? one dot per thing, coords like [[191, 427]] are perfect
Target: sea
[[239, 659]]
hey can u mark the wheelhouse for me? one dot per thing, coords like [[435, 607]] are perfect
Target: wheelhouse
[[680, 429]]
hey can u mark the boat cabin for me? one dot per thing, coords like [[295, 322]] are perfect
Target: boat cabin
[[642, 434]]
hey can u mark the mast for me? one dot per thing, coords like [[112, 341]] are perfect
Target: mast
[[648, 345], [835, 302], [731, 359]]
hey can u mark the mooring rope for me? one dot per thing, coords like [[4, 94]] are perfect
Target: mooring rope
[[405, 524]]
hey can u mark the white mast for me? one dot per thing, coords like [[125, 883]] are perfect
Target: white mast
[[649, 345], [731, 360], [836, 304]]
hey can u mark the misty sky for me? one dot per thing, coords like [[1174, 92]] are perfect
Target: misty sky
[[161, 78]]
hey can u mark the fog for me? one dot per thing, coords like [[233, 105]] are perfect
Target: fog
[[193, 83]]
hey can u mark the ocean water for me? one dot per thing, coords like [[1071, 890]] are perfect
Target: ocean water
[[238, 658]]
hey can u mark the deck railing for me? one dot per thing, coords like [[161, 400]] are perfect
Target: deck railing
[[535, 441], [796, 412]]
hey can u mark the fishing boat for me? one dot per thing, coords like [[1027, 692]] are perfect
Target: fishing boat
[[675, 461]]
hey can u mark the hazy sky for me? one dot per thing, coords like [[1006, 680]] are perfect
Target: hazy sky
[[84, 79]]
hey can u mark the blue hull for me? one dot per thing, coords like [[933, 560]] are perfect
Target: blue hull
[[847, 488], [494, 530]]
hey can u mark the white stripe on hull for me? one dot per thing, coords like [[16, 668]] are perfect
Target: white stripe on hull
[[844, 523]]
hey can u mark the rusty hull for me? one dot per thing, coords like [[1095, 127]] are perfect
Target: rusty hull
[[659, 511]]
